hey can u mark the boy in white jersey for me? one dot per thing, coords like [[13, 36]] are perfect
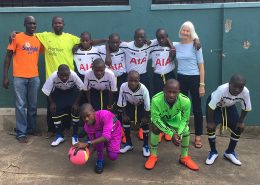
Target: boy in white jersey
[[162, 55], [84, 55], [221, 109], [134, 100], [62, 89], [137, 55], [100, 84], [117, 56]]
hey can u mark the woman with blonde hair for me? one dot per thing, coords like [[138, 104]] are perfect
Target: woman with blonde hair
[[190, 74]]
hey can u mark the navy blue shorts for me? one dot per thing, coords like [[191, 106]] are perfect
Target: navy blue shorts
[[95, 99], [229, 114]]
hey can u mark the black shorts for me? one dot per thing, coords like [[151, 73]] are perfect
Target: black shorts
[[144, 79], [64, 99], [227, 114], [99, 99], [120, 80], [134, 112], [159, 81]]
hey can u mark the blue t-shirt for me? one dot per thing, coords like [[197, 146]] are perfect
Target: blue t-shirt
[[188, 58]]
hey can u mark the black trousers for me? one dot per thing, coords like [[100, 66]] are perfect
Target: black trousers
[[190, 85], [159, 81]]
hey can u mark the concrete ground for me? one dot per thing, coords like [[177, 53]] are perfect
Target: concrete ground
[[38, 163]]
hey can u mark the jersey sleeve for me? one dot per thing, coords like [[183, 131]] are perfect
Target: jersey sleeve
[[123, 45], [146, 100], [215, 98], [121, 102], [75, 39], [108, 126], [12, 45], [48, 85], [154, 42], [42, 37], [246, 104], [113, 82], [199, 56], [185, 116], [157, 121]]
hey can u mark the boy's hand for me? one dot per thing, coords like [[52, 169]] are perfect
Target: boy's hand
[[148, 42], [53, 108], [5, 82], [176, 139], [75, 108], [197, 44], [80, 145], [125, 118], [241, 126]]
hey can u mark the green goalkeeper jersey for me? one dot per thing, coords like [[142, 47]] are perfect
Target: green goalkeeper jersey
[[171, 119]]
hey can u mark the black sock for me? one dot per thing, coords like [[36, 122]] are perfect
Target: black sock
[[145, 134], [127, 134], [212, 141]]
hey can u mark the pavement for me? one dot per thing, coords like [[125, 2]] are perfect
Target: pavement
[[38, 163]]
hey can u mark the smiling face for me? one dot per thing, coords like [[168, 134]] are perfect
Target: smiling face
[[171, 91], [139, 38], [185, 33], [57, 25], [30, 25]]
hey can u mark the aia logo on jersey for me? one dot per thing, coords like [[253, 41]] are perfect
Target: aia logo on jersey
[[162, 62], [85, 67], [138, 60], [116, 67]]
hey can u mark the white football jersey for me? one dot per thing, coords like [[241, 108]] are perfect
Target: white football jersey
[[84, 59], [118, 60], [161, 62], [222, 98], [136, 58], [107, 82], [54, 82], [140, 96]]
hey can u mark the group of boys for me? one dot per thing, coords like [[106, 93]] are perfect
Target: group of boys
[[100, 71]]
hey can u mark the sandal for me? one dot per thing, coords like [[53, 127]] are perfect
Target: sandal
[[197, 142], [22, 139]]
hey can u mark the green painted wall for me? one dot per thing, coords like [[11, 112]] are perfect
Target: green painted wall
[[208, 20]]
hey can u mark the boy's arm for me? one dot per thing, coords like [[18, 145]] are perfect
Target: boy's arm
[[52, 105], [240, 123], [98, 41], [185, 116], [7, 62], [108, 60]]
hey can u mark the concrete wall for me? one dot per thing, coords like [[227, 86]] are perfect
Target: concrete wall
[[209, 20]]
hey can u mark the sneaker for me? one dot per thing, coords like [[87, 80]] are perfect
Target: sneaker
[[99, 166], [186, 161], [74, 139], [150, 163], [211, 157], [140, 134], [126, 148], [232, 157], [58, 139], [167, 137], [146, 151]]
